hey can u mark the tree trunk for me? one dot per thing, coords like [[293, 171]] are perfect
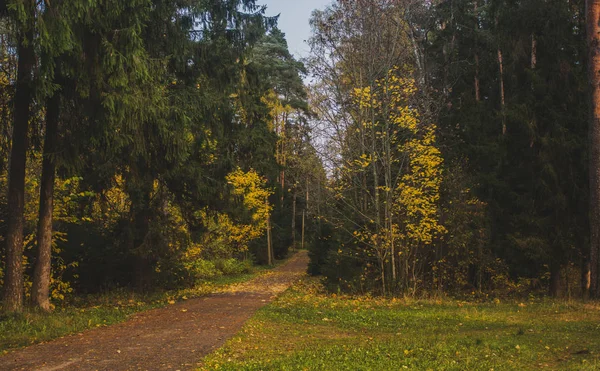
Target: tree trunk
[[294, 220], [533, 52], [141, 222], [593, 41], [13, 279], [585, 279], [477, 87], [533, 67], [502, 98], [40, 292], [139, 185], [269, 243], [303, 217], [554, 279]]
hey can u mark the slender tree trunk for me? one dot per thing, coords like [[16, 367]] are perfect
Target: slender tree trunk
[[533, 67], [13, 279], [502, 98], [303, 217], [269, 243], [294, 220], [533, 51], [393, 250], [554, 279], [477, 84], [40, 292], [593, 41], [283, 164], [477, 88], [306, 196], [382, 266], [388, 197]]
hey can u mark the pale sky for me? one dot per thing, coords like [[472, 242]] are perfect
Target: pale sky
[[293, 21]]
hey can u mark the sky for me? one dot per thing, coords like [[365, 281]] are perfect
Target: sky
[[293, 20]]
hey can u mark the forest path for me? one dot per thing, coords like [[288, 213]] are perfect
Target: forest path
[[172, 338]]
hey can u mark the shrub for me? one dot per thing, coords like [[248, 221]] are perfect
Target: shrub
[[232, 266], [203, 269]]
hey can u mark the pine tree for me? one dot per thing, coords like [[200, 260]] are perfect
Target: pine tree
[[23, 13]]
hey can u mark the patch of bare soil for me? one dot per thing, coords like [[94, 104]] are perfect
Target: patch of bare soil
[[172, 338]]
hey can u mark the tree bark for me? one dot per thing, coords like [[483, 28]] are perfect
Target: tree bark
[[269, 243], [554, 279], [477, 88], [502, 98], [40, 292], [533, 52], [294, 220], [303, 217], [593, 41], [585, 279], [13, 280], [141, 222], [477, 84]]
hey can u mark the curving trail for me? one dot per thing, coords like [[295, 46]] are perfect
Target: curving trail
[[172, 338]]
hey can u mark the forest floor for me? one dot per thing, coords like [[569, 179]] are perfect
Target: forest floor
[[171, 338], [309, 329]]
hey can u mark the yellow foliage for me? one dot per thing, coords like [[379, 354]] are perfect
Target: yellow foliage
[[252, 188], [386, 110], [419, 191]]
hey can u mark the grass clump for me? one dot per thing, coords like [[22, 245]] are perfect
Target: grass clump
[[307, 329]]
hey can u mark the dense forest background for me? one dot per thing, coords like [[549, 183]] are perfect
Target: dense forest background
[[169, 137], [457, 135], [441, 147]]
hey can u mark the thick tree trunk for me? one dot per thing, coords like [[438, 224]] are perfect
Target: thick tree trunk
[[141, 222], [13, 279], [585, 279], [40, 292], [139, 186], [593, 40]]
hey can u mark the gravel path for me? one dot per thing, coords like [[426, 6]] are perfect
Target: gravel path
[[172, 338]]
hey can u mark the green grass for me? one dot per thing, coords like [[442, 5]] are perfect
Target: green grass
[[82, 313], [306, 329]]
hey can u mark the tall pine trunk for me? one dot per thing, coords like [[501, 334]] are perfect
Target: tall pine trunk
[[13, 280], [593, 40], [40, 292]]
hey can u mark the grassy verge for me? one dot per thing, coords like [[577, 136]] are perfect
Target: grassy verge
[[306, 329], [83, 313]]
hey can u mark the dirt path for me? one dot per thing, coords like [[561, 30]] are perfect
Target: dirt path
[[172, 338]]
